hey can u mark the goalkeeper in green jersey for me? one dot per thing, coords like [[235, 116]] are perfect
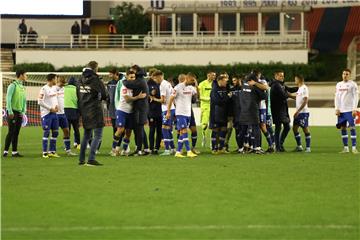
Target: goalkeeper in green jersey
[[205, 90]]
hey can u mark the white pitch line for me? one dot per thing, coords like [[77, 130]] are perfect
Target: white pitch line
[[185, 227]]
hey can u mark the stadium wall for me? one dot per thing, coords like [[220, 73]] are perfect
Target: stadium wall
[[152, 57]]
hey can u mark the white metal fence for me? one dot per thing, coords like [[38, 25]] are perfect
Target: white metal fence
[[169, 40]]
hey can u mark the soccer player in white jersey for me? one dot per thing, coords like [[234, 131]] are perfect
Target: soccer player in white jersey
[[124, 108], [301, 116], [182, 95], [49, 106], [346, 102], [166, 90], [63, 122]]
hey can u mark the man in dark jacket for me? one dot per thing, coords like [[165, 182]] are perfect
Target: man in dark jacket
[[155, 117], [22, 28], [248, 115], [141, 106], [279, 108], [91, 92], [75, 32], [219, 98]]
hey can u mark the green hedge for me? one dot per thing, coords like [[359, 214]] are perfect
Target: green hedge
[[316, 71]]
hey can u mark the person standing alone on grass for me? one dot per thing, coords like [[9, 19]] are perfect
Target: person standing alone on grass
[[49, 106], [301, 116], [15, 108], [91, 92], [346, 102]]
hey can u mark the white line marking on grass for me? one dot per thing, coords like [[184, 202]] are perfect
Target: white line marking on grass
[[186, 227]]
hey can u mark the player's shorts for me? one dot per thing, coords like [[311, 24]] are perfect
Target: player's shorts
[[123, 119], [50, 121], [302, 120], [168, 122], [269, 121], [182, 122], [192, 119], [344, 118], [205, 115], [262, 115], [63, 122]]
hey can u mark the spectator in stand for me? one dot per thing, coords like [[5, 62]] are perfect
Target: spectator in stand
[[32, 37], [22, 28], [112, 32], [203, 28], [75, 32], [85, 31]]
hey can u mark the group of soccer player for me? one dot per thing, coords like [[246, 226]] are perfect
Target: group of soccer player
[[250, 104]]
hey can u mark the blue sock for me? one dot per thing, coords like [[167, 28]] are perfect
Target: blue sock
[[116, 141], [171, 139], [165, 138], [67, 143], [268, 139], [53, 141], [126, 142], [344, 137], [186, 141], [180, 143], [298, 138], [353, 136], [213, 140], [45, 141], [222, 135], [308, 140], [193, 139]]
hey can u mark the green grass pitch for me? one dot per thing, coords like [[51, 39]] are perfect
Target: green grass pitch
[[278, 196]]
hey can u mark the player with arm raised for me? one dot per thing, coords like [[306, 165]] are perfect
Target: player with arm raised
[[346, 102], [49, 106]]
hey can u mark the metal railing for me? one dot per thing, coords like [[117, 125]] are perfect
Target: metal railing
[[83, 41], [176, 40], [229, 40]]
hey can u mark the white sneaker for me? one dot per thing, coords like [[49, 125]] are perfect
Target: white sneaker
[[355, 151], [345, 150], [308, 150], [70, 153]]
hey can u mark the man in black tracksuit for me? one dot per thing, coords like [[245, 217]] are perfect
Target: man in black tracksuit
[[141, 106], [235, 91], [247, 118], [155, 118], [91, 92], [219, 99], [279, 108]]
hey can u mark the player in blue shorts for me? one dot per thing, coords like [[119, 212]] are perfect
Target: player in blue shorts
[[346, 102], [49, 106], [301, 116], [182, 95]]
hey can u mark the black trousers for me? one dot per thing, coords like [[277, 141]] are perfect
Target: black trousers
[[242, 130], [14, 126], [281, 136], [75, 124], [155, 125]]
